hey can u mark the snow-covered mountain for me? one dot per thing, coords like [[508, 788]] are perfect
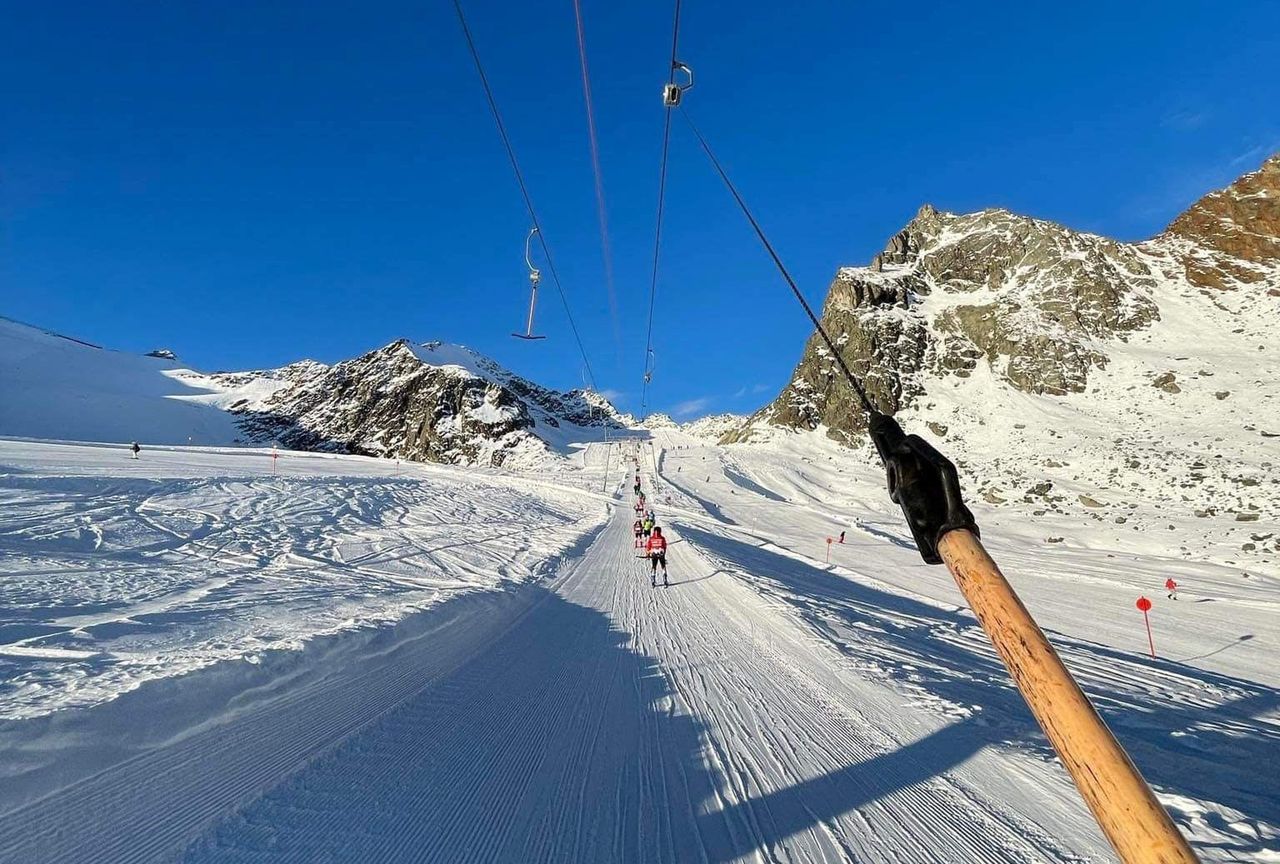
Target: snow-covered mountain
[[709, 428], [1067, 371], [1042, 307], [432, 402], [713, 427]]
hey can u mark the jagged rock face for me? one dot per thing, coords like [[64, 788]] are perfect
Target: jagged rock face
[[398, 401], [1042, 293], [876, 331], [296, 373], [1237, 230], [1028, 297], [1035, 301]]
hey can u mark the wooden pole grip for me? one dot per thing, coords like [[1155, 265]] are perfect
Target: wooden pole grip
[[1121, 801]]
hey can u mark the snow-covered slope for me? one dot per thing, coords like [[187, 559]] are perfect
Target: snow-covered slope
[[55, 387], [473, 663], [118, 571], [1196, 718]]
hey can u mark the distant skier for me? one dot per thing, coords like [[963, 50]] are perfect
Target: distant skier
[[1172, 588], [647, 526], [841, 536], [656, 549], [638, 530], [136, 449]]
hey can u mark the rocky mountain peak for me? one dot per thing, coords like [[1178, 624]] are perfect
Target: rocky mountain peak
[[420, 401], [1236, 229], [1034, 302]]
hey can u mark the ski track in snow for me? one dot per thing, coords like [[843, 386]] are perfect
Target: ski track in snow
[[618, 722], [154, 575], [766, 707]]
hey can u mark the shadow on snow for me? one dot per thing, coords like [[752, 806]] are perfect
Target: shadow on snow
[[1204, 738]]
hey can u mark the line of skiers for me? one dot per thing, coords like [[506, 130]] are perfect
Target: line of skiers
[[648, 536], [643, 527]]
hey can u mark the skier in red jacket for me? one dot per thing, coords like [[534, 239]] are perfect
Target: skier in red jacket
[[656, 549]]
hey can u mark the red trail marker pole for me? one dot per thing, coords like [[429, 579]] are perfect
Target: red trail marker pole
[[1145, 605], [830, 540]]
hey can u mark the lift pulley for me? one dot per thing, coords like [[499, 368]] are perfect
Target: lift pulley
[[673, 92]]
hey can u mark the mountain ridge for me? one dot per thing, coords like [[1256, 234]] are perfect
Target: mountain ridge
[[1064, 372], [1038, 302], [426, 401]]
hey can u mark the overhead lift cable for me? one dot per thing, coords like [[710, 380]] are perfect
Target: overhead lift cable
[[669, 102], [602, 211], [524, 189], [926, 485], [808, 310]]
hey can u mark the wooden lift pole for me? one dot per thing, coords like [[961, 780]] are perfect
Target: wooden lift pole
[[926, 485], [1123, 804]]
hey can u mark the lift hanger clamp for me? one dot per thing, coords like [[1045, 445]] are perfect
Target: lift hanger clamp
[[924, 483], [673, 92]]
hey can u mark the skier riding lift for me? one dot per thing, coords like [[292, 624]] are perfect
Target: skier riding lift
[[656, 549]]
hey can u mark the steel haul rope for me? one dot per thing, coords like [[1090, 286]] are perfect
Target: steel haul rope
[[853, 382], [657, 234], [524, 189], [602, 211]]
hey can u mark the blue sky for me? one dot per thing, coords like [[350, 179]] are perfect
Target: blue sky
[[250, 184]]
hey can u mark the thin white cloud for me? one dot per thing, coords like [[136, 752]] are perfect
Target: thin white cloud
[[1252, 157], [691, 406], [1185, 120], [612, 395]]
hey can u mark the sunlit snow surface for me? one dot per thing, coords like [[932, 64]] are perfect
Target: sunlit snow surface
[[116, 571], [477, 669]]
